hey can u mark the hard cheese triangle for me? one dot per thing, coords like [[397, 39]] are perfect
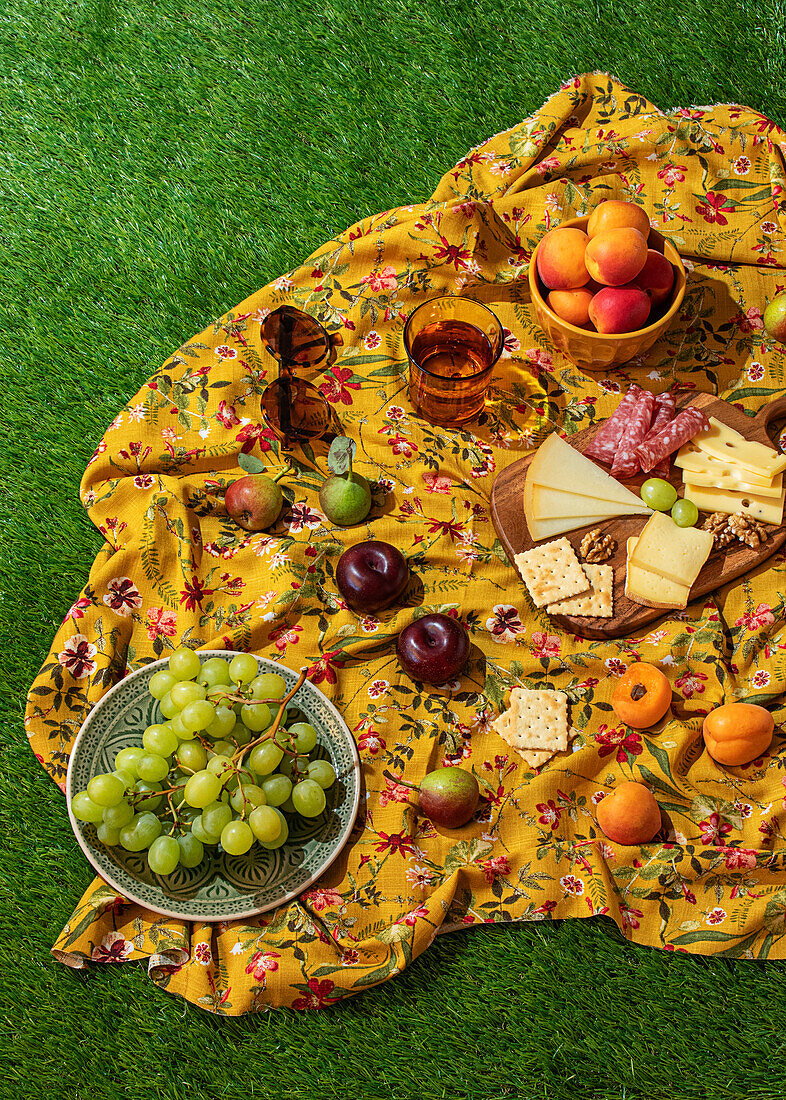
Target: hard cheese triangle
[[561, 502], [540, 529], [564, 491], [560, 466]]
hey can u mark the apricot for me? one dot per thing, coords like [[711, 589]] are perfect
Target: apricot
[[571, 305], [630, 814], [616, 214], [656, 278], [737, 733], [561, 259], [642, 696], [619, 309], [616, 256]]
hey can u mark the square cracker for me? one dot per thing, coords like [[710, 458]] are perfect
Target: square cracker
[[534, 757], [598, 602], [552, 572], [536, 721]]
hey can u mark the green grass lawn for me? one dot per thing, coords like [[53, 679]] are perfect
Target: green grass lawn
[[159, 162]]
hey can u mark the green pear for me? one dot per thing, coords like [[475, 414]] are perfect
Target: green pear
[[775, 318], [345, 498]]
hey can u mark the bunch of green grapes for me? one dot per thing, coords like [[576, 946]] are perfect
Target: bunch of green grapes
[[220, 768]]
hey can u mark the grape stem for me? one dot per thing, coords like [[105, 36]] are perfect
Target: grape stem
[[236, 697], [245, 801], [174, 813], [142, 795], [277, 720]]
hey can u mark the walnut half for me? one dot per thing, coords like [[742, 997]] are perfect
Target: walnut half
[[747, 530], [726, 529], [718, 525], [596, 547]]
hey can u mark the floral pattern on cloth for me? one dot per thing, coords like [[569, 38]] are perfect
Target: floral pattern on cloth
[[175, 570]]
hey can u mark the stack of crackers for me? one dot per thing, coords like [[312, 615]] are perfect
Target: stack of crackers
[[535, 724], [558, 581]]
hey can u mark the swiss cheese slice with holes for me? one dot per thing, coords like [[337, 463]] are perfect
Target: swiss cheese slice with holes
[[676, 553], [764, 509], [735, 481], [722, 442], [644, 587], [692, 459]]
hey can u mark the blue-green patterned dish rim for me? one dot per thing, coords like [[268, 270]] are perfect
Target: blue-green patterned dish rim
[[222, 887]]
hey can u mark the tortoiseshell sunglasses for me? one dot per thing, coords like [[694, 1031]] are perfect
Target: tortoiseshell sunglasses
[[295, 409]]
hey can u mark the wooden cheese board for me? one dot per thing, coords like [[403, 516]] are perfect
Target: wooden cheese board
[[722, 566]]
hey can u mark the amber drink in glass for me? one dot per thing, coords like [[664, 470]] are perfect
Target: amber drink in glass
[[452, 344]]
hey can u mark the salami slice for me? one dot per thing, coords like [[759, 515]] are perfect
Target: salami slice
[[626, 461], [604, 446], [670, 438], [664, 414]]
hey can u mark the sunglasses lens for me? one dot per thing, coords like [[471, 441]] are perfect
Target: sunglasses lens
[[295, 410], [294, 338]]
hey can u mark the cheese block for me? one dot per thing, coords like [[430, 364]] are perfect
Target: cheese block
[[545, 502], [722, 442], [696, 461], [677, 553], [557, 465], [644, 587], [735, 481], [549, 527], [764, 509]]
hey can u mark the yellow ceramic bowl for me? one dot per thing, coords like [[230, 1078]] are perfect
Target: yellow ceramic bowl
[[592, 350]]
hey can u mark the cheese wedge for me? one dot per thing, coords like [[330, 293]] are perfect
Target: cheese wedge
[[676, 553], [691, 458], [722, 442], [546, 502], [557, 465], [587, 494], [765, 509], [645, 587], [548, 528]]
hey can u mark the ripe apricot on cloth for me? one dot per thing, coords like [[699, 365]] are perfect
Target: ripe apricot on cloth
[[642, 696], [737, 733], [630, 814]]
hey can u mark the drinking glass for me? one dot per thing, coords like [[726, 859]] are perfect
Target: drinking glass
[[452, 344]]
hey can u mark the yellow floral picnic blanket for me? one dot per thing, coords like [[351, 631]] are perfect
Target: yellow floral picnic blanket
[[174, 567]]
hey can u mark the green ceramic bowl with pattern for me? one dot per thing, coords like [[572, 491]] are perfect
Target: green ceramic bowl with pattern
[[222, 887]]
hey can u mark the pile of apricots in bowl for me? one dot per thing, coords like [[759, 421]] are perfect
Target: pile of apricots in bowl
[[606, 278]]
